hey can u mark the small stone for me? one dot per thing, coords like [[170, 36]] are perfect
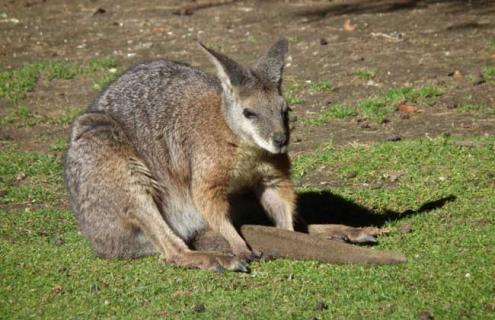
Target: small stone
[[425, 315], [323, 42], [99, 11], [355, 58], [59, 241], [321, 306], [199, 308], [20, 176], [394, 138], [57, 289], [451, 105], [456, 74], [479, 80], [94, 288], [351, 175], [405, 228]]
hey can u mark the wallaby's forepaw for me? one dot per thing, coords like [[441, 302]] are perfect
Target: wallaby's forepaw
[[346, 233], [211, 261], [248, 256]]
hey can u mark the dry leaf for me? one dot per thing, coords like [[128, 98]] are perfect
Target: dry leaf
[[348, 26], [407, 108], [57, 289]]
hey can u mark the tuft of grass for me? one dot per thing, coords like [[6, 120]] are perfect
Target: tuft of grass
[[488, 73], [476, 107], [14, 84], [320, 86], [29, 177], [68, 115], [375, 108], [292, 93], [22, 116], [411, 94], [365, 74], [59, 145], [336, 110]]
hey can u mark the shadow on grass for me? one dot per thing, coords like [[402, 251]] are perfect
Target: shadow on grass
[[385, 6], [324, 207], [327, 208]]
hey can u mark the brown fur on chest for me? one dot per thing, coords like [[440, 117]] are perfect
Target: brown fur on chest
[[253, 167]]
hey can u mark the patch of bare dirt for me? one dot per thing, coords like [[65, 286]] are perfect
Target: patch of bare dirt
[[408, 43]]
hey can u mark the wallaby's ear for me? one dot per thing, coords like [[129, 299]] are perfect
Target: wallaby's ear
[[229, 72], [271, 65]]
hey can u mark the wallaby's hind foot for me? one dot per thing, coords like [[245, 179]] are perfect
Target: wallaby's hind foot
[[346, 233], [211, 261]]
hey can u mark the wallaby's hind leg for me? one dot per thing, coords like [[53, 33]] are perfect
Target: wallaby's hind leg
[[346, 233], [114, 196]]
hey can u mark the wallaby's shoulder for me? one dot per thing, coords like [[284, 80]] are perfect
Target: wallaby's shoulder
[[162, 70]]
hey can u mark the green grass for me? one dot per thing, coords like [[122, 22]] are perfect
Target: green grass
[[476, 108], [378, 108], [411, 94], [292, 93], [333, 111], [14, 84], [488, 73], [41, 177], [375, 108], [47, 269], [22, 116], [365, 74], [320, 86]]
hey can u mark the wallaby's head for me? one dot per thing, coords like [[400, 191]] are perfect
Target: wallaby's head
[[253, 104]]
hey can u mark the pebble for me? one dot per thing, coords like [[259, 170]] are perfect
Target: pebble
[[199, 308], [321, 306], [394, 138], [425, 315]]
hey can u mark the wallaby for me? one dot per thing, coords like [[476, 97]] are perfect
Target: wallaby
[[156, 157]]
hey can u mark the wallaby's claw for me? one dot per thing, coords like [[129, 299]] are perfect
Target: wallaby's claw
[[252, 256], [217, 268], [210, 261], [242, 267], [348, 234], [363, 238], [248, 256]]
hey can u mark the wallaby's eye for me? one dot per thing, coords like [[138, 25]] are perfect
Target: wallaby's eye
[[249, 114]]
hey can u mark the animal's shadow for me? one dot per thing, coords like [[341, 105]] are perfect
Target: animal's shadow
[[325, 207]]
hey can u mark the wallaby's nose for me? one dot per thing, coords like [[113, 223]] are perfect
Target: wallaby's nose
[[279, 139]]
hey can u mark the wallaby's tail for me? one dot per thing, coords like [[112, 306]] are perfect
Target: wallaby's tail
[[279, 243]]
